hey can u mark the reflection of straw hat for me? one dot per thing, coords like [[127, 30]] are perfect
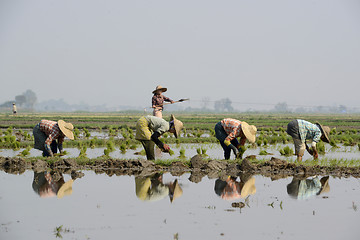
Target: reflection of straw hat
[[325, 131], [248, 188], [177, 124], [66, 129], [161, 88], [175, 191], [146, 192], [65, 189], [324, 185], [249, 131]]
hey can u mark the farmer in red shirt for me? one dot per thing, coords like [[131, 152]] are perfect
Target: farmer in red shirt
[[158, 101], [47, 132]]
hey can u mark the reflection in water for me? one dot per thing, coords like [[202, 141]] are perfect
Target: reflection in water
[[51, 184], [230, 189], [151, 188], [305, 188]]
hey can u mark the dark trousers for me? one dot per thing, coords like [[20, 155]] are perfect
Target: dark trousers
[[53, 147], [220, 134], [149, 147]]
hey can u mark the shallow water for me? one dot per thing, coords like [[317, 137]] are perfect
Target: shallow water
[[103, 207], [213, 150]]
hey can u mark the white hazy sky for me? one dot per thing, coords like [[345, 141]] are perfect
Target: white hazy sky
[[304, 52]]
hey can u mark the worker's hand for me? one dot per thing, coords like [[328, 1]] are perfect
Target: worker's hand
[[166, 148], [235, 150], [315, 154]]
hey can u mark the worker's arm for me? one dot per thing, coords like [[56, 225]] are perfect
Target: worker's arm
[[160, 144]]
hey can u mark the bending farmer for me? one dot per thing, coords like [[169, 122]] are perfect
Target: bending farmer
[[228, 130], [150, 128], [158, 101], [301, 130], [47, 132]]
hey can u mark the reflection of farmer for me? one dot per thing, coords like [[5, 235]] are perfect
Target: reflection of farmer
[[153, 189], [158, 101], [150, 128], [14, 109], [51, 184], [301, 130], [232, 189], [228, 130], [46, 132], [305, 188]]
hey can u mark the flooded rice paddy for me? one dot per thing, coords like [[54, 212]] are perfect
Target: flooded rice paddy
[[163, 206]]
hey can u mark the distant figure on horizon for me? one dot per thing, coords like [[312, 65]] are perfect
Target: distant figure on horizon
[[158, 101], [14, 109], [46, 132], [301, 130]]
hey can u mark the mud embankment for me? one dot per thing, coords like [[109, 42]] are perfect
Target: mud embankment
[[274, 168]]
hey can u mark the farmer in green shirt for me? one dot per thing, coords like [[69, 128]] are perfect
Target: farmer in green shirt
[[150, 128]]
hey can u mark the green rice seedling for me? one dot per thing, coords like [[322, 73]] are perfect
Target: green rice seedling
[[265, 142], [165, 135], [182, 153], [123, 148], [242, 150], [110, 145], [26, 151], [203, 151], [263, 152], [177, 141], [258, 142], [92, 143], [359, 146], [83, 150], [133, 146], [283, 139], [212, 132], [198, 151], [333, 131], [333, 143], [106, 152], [171, 152], [15, 145], [286, 151], [320, 147]]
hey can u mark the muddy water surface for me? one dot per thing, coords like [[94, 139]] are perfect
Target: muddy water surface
[[130, 207]]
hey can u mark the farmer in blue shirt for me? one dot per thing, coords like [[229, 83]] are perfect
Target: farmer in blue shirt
[[301, 130]]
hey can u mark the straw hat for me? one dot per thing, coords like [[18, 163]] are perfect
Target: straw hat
[[163, 89], [65, 189], [66, 129], [177, 124], [325, 131], [325, 187], [249, 131], [248, 188]]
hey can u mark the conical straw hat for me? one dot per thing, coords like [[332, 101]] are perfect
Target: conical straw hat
[[163, 89], [66, 129], [65, 189], [249, 131], [325, 130], [177, 124], [176, 192]]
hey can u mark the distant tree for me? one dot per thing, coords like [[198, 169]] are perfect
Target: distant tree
[[205, 102], [281, 107], [30, 98], [20, 99], [223, 105]]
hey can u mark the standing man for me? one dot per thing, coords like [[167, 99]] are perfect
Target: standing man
[[47, 132], [158, 101], [150, 128], [14, 109], [301, 130], [228, 130]]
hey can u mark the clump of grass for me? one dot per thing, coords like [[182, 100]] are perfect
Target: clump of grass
[[182, 153], [286, 151]]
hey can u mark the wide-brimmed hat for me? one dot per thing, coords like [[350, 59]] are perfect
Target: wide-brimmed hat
[[178, 125], [325, 187], [163, 89], [175, 191], [65, 189], [325, 131], [66, 129], [249, 131]]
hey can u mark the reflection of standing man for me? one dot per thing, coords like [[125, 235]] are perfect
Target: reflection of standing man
[[14, 109], [47, 132], [158, 101]]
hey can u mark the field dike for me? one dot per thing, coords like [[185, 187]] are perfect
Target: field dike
[[198, 167]]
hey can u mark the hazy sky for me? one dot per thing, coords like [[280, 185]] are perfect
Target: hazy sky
[[115, 52]]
